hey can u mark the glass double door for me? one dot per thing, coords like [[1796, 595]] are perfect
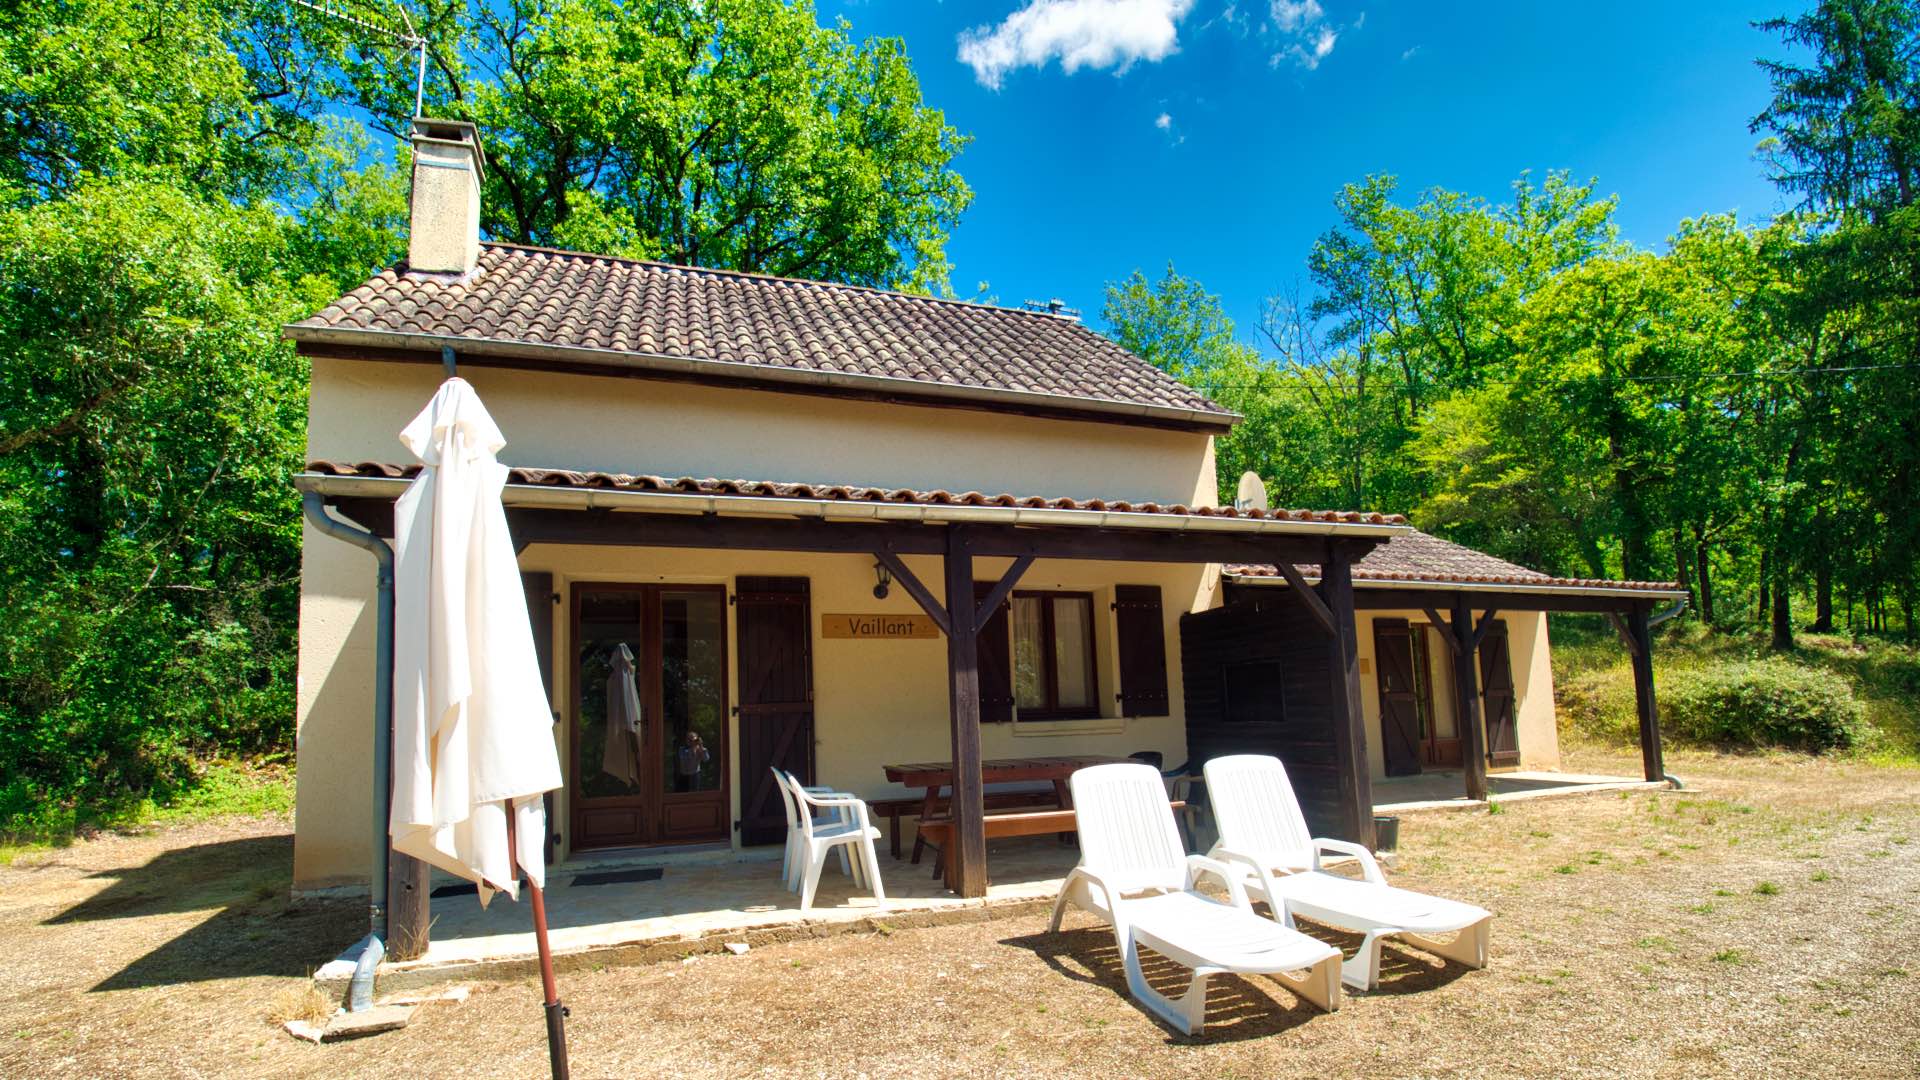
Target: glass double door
[[649, 714]]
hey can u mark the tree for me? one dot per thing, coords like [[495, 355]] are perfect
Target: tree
[[726, 133]]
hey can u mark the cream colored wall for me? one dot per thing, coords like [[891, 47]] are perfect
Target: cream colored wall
[[1532, 677], [611, 424], [878, 701]]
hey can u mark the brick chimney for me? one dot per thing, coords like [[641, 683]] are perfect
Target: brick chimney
[[443, 236]]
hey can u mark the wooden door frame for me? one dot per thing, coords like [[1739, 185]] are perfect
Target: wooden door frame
[[1396, 626], [651, 802]]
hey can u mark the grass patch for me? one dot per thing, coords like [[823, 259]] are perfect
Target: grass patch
[[1766, 888], [222, 789]]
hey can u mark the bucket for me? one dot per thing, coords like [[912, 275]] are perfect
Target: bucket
[[1386, 832]]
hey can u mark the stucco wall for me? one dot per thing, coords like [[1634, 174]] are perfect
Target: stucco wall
[[875, 702], [357, 409]]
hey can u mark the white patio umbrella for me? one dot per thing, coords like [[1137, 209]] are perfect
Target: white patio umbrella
[[473, 747]]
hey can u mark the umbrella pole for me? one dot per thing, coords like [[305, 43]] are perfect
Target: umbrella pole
[[556, 1012]]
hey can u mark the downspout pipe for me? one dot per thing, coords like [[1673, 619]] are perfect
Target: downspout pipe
[[314, 505]]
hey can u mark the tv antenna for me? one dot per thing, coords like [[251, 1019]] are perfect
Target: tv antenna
[[410, 39]]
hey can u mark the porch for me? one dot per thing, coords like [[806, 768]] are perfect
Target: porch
[[656, 905], [1446, 790]]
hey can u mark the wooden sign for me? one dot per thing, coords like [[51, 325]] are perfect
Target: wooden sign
[[878, 627]]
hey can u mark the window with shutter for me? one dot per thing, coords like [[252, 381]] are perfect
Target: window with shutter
[[1142, 632]]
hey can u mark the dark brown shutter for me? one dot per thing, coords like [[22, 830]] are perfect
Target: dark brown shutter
[[538, 585], [996, 660], [773, 625], [1399, 702], [1142, 631], [1497, 696]]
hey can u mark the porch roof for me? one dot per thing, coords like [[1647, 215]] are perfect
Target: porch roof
[[1414, 560], [571, 489]]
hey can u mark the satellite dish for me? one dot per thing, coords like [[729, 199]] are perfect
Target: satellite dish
[[1252, 494]]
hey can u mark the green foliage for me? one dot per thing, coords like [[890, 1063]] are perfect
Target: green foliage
[[1760, 703], [727, 133], [150, 421]]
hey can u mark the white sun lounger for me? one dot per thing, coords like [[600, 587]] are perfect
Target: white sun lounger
[[1134, 872], [1264, 836]]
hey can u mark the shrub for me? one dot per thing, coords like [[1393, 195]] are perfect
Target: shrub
[[1767, 702]]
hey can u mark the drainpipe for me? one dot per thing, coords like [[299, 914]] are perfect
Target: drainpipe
[[1679, 606], [315, 508]]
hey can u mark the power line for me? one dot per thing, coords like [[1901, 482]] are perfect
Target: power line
[[1763, 373]]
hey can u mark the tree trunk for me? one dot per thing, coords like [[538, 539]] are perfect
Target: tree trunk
[[1782, 607], [1682, 571], [1823, 596], [1760, 609], [1703, 574]]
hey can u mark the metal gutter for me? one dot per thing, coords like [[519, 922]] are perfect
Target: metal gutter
[[539, 495], [728, 369], [1436, 585]]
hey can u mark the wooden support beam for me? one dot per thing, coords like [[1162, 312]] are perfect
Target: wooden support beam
[[1446, 629], [968, 806], [918, 590], [1480, 629], [409, 915], [1467, 711], [1626, 634], [1375, 598], [998, 594], [1652, 759], [1348, 719], [1297, 585]]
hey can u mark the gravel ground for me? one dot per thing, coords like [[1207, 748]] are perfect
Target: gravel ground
[[1759, 925]]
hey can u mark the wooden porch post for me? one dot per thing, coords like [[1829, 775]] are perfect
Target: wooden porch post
[[963, 685], [1640, 637], [408, 914], [1466, 686], [1349, 721]]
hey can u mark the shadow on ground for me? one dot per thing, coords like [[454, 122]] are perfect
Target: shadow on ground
[[1238, 1007], [253, 929]]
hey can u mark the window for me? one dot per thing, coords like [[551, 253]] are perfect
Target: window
[[1053, 672]]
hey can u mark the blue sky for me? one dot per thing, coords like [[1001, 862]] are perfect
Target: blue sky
[[1271, 106]]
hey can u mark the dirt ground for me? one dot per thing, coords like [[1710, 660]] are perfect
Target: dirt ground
[[1762, 924]]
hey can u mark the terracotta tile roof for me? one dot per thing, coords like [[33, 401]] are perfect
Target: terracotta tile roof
[[688, 485], [1416, 556], [536, 297]]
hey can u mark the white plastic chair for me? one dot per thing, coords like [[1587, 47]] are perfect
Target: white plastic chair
[[793, 828], [1134, 872], [817, 839], [1265, 836]]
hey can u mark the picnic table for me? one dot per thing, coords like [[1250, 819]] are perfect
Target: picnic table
[[934, 776]]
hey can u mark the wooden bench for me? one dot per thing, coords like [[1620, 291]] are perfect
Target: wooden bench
[[894, 809], [939, 831]]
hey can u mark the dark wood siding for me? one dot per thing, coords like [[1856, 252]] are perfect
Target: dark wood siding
[[1258, 682], [1141, 630], [538, 586]]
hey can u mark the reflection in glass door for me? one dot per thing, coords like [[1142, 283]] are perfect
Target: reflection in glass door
[[650, 709]]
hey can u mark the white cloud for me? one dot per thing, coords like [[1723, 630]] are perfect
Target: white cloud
[[1292, 16], [1078, 33], [1163, 122], [1302, 25], [1410, 53]]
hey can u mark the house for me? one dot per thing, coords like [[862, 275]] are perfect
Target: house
[[943, 531]]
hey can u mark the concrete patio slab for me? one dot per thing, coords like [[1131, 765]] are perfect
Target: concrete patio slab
[[1447, 790]]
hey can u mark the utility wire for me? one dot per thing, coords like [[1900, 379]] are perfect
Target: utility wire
[[1786, 373]]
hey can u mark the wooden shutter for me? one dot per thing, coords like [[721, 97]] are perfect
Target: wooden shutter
[[538, 586], [773, 625], [996, 660], [1399, 707], [1497, 696], [1142, 631]]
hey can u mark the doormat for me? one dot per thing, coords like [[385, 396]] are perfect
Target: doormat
[[619, 877]]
